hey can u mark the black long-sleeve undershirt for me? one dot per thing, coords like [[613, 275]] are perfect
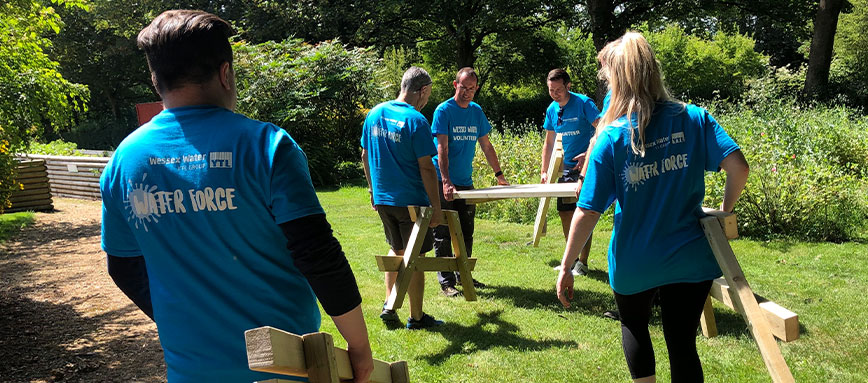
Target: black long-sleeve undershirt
[[315, 252]]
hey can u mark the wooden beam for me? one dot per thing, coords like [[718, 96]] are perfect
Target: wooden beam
[[460, 252], [745, 300], [519, 191], [706, 320], [280, 352], [728, 221], [411, 253], [393, 263], [784, 323]]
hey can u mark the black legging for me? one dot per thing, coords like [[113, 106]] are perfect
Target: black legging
[[681, 307]]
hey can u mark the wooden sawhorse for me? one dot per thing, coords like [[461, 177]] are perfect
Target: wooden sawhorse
[[411, 262], [719, 227], [313, 356], [556, 164]]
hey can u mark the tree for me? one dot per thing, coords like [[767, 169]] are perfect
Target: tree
[[820, 56], [34, 94]]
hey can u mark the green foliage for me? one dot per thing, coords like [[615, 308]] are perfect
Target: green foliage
[[316, 92], [34, 95], [808, 170], [701, 69], [55, 148], [848, 74], [519, 149]]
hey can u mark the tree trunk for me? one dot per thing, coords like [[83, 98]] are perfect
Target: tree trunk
[[603, 30], [466, 52], [820, 56]]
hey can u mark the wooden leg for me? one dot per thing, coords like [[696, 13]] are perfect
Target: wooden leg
[[319, 355], [460, 254], [400, 372], [745, 301], [540, 223], [706, 321], [411, 252]]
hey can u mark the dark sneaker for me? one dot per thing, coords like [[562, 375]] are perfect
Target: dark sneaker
[[426, 321], [479, 285], [612, 314], [449, 291], [389, 316]]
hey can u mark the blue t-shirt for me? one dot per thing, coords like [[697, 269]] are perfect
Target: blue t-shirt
[[199, 192], [396, 136], [463, 126], [574, 125], [605, 104], [657, 238]]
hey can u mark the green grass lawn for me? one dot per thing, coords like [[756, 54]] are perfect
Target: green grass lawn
[[517, 331], [11, 223]]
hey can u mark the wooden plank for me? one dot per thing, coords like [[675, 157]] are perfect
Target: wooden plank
[[411, 252], [746, 302], [393, 263], [33, 186], [36, 168], [43, 196], [91, 184], [32, 204], [784, 323], [280, 352], [319, 355], [87, 176], [22, 177], [460, 252], [400, 372], [34, 191], [706, 320], [555, 166], [728, 221], [519, 191], [75, 194]]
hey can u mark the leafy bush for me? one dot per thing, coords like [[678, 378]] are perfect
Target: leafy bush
[[316, 92], [55, 148], [701, 69], [519, 148], [809, 170]]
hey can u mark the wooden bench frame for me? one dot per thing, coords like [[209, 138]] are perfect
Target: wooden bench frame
[[311, 356], [411, 262]]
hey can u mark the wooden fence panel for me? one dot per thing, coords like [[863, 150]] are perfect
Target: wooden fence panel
[[72, 176], [35, 194]]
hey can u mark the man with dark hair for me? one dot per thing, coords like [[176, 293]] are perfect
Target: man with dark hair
[[459, 124], [396, 154], [222, 212], [574, 116]]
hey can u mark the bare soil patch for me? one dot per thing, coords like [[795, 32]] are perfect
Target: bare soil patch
[[61, 317]]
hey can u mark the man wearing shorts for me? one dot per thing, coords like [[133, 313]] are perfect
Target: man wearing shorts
[[574, 116], [396, 153]]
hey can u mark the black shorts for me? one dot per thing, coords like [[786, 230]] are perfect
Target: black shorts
[[398, 227], [568, 203]]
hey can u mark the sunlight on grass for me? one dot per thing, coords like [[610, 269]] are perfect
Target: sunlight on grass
[[517, 331], [13, 222]]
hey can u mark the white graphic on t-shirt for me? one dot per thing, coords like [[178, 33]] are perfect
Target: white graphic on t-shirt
[[146, 204], [460, 133], [636, 173], [677, 137], [220, 160], [377, 131]]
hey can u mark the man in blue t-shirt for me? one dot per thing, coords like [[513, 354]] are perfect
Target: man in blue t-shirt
[[396, 153], [574, 117], [210, 220], [459, 124]]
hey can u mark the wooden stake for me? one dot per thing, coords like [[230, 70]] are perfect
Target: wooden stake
[[411, 252], [746, 302], [706, 321], [460, 255], [555, 165], [319, 355]]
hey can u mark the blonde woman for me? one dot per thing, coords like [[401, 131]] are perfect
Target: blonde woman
[[653, 167]]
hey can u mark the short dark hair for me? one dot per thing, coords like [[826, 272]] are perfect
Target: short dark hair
[[558, 74], [185, 46], [466, 71]]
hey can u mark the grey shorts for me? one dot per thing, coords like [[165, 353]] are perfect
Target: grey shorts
[[568, 203], [398, 227]]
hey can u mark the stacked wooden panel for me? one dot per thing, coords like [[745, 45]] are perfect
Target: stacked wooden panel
[[74, 177], [36, 194]]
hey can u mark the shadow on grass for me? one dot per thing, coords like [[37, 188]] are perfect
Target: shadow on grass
[[586, 302], [489, 331]]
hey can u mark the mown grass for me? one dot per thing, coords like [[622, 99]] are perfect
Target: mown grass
[[518, 332], [13, 222]]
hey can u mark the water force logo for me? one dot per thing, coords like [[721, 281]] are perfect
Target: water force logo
[[635, 174], [146, 204]]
